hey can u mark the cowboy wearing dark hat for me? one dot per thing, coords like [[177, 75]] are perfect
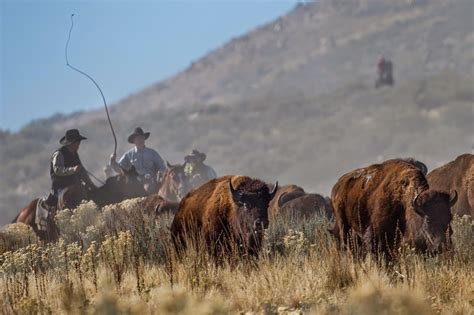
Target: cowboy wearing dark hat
[[196, 171], [147, 162], [66, 167]]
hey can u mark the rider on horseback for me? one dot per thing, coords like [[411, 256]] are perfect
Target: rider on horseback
[[196, 171], [147, 162], [66, 167], [384, 72], [381, 64]]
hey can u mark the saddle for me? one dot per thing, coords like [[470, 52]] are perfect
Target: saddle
[[41, 215]]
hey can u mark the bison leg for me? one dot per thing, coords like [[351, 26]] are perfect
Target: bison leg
[[469, 198], [342, 233], [369, 241], [179, 237]]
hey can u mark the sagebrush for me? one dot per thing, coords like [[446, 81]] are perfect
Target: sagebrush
[[119, 260]]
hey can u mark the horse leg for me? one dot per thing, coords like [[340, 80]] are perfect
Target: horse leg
[[52, 231]]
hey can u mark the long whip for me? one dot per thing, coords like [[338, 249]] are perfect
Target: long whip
[[93, 81]]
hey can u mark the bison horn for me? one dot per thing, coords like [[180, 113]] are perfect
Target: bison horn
[[453, 200], [168, 164], [413, 203], [416, 207], [235, 194], [274, 190], [281, 200]]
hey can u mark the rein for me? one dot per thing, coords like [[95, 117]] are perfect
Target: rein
[[95, 177]]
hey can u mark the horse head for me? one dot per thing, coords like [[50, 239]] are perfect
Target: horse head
[[174, 185], [72, 196]]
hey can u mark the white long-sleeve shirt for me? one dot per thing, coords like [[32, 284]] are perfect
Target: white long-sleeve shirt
[[145, 161]]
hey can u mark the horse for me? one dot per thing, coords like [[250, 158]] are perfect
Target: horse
[[174, 184], [28, 215], [115, 189]]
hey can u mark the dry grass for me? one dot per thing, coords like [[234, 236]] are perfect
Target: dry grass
[[121, 261]]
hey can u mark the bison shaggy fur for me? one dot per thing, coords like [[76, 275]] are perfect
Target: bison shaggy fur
[[385, 204], [306, 207], [230, 213], [282, 196], [457, 175]]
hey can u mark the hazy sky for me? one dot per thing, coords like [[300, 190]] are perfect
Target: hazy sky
[[124, 45]]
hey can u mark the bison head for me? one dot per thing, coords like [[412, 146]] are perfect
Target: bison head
[[251, 198], [433, 231]]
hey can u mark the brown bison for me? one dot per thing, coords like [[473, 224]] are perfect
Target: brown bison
[[307, 206], [457, 175], [283, 195], [384, 204], [229, 212]]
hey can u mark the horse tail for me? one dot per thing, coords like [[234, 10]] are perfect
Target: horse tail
[[16, 218], [33, 204]]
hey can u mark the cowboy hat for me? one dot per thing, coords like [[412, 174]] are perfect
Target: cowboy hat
[[138, 132], [71, 136], [195, 155]]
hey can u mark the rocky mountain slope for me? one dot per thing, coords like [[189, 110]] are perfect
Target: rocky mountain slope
[[292, 100]]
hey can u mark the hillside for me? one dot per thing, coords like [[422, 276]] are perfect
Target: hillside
[[292, 100]]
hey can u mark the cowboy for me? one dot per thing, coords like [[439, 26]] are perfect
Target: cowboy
[[381, 66], [196, 171], [66, 168], [147, 162]]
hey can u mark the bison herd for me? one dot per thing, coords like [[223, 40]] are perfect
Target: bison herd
[[378, 207], [374, 209]]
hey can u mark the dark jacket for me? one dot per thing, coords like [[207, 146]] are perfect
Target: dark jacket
[[70, 160]]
